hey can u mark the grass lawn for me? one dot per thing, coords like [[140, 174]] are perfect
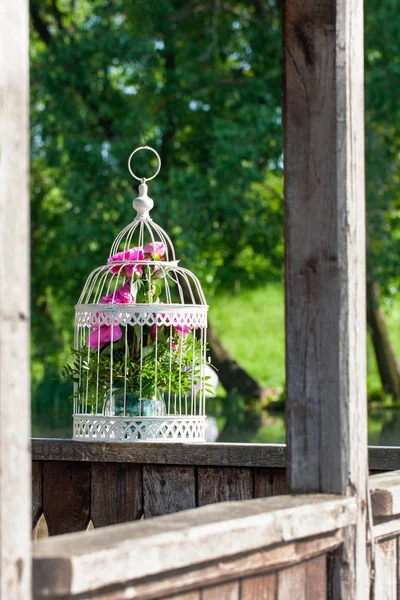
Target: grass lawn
[[251, 325]]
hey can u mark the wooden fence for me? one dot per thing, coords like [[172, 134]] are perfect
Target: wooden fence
[[385, 553], [78, 482], [265, 549]]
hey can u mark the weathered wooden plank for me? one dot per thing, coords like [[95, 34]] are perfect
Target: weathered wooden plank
[[66, 496], [325, 261], [291, 583], [316, 580], [325, 275], [15, 459], [168, 489], [385, 582], [263, 482], [304, 581], [386, 527], [226, 591], [88, 562], [116, 493], [214, 454], [270, 482], [187, 596], [262, 588], [398, 566], [224, 484], [228, 569], [37, 492], [385, 494], [280, 485], [384, 458]]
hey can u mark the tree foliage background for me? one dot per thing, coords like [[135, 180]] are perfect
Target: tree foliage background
[[200, 81]]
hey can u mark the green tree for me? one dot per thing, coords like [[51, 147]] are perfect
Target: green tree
[[198, 81], [382, 80]]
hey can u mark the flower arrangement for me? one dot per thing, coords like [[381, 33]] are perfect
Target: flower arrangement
[[155, 368]]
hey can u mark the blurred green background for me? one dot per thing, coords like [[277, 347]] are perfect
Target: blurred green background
[[200, 81]]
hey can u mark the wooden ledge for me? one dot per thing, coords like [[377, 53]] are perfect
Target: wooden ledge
[[204, 454], [82, 562], [385, 494], [216, 454]]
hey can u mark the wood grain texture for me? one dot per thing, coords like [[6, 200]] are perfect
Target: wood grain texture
[[15, 459], [66, 496], [239, 455], [202, 454], [226, 591], [209, 534], [325, 281], [270, 482], [280, 485], [385, 582], [325, 246], [384, 458], [187, 596], [316, 578], [385, 527], [224, 484], [263, 482], [260, 588], [398, 565], [227, 569], [291, 583], [168, 489], [37, 492], [385, 494], [116, 493]]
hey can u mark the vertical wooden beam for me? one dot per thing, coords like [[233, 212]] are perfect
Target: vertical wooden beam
[[15, 486], [325, 261]]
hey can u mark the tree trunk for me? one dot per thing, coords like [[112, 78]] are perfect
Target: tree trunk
[[231, 375], [388, 365]]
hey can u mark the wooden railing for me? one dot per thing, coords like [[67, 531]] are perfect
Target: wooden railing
[[385, 496], [262, 549], [78, 482]]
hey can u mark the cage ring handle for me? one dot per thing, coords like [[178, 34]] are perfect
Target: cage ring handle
[[144, 179]]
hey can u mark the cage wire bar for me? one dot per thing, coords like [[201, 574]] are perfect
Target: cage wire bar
[[140, 370]]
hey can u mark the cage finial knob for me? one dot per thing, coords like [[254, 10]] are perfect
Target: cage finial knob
[[143, 203]]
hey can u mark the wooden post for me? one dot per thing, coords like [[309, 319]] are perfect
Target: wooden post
[[15, 489], [325, 262]]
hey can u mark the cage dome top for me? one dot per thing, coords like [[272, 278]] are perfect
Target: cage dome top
[[142, 268]]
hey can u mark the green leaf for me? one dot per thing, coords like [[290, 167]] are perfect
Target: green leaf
[[136, 285]]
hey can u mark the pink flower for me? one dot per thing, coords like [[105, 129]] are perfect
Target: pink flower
[[182, 329], [153, 332], [155, 249], [121, 296], [125, 255], [131, 269], [106, 333]]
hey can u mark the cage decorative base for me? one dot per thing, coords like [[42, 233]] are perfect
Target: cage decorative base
[[139, 429]]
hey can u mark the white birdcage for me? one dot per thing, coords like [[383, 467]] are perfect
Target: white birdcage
[[140, 370]]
